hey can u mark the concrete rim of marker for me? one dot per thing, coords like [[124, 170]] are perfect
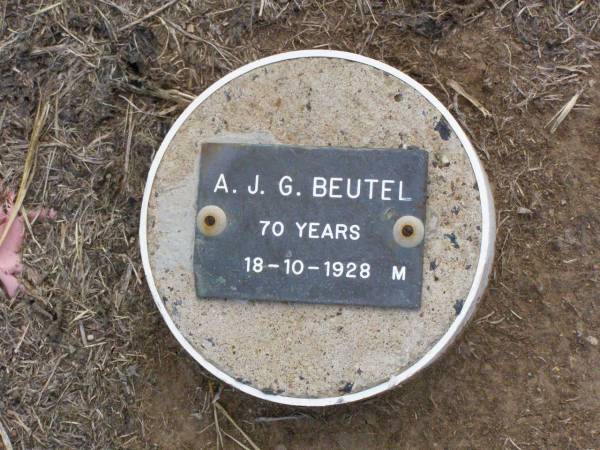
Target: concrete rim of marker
[[480, 279]]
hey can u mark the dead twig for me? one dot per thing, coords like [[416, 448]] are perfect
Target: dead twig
[[46, 9], [29, 168], [147, 16], [298, 416], [563, 112], [236, 441], [234, 423], [5, 438], [172, 95], [129, 128], [476, 103]]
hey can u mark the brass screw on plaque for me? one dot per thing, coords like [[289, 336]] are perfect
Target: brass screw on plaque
[[211, 220], [408, 231]]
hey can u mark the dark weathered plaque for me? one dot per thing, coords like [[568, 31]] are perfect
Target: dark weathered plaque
[[310, 225]]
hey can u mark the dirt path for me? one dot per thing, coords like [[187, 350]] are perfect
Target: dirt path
[[85, 361]]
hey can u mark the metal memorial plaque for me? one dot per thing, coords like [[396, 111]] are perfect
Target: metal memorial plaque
[[314, 225]]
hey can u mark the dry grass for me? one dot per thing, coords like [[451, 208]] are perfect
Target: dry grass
[[115, 75]]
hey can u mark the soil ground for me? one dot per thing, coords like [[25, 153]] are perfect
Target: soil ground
[[85, 360]]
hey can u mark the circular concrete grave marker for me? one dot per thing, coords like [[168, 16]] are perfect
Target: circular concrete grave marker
[[316, 228]]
